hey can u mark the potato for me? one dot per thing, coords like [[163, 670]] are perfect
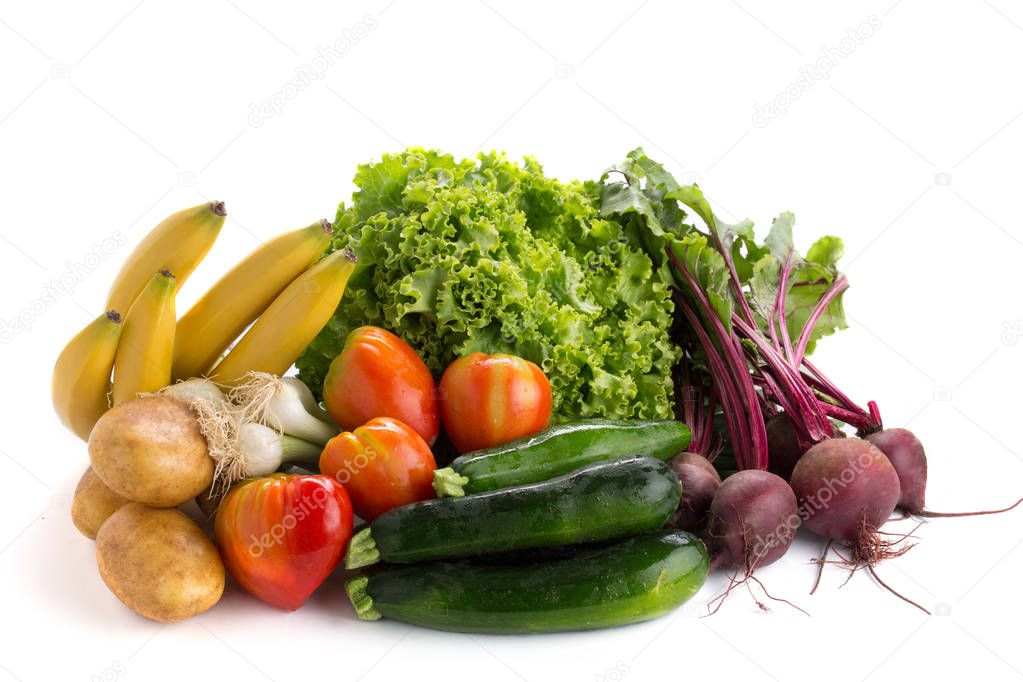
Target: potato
[[159, 563], [93, 503], [151, 450]]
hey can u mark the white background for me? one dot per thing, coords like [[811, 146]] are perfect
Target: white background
[[114, 115]]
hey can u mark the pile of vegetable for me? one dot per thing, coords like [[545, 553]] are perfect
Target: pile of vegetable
[[624, 377]]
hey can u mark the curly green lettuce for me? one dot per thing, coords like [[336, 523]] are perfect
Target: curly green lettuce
[[490, 255]]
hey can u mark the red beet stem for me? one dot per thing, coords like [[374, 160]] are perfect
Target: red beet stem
[[779, 307], [840, 284], [730, 372]]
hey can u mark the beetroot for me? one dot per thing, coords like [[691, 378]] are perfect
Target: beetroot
[[906, 453], [700, 480], [752, 521], [846, 489], [783, 449], [783, 446]]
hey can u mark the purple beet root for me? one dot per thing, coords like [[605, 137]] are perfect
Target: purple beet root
[[783, 450], [846, 489], [700, 480], [753, 518], [906, 453]]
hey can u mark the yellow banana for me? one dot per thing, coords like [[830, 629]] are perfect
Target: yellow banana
[[146, 349], [294, 318], [209, 327], [81, 376], [178, 244]]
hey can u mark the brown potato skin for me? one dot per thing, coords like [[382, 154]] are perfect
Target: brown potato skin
[[159, 563], [150, 450], [93, 503]]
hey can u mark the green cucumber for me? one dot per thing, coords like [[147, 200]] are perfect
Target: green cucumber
[[602, 501], [558, 450], [630, 581]]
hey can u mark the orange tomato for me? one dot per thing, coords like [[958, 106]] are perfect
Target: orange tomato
[[377, 374], [383, 464], [487, 400]]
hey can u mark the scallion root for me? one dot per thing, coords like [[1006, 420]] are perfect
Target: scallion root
[[218, 421], [283, 404]]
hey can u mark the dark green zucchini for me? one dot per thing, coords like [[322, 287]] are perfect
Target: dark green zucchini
[[602, 501], [558, 450], [629, 581]]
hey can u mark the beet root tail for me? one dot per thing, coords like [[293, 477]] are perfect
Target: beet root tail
[[928, 514]]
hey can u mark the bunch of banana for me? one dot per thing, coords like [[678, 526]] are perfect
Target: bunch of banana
[[279, 292]]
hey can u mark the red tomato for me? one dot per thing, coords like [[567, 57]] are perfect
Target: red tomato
[[282, 535], [487, 400], [379, 375], [383, 464]]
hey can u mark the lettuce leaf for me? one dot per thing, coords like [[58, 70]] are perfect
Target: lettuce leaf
[[490, 255]]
